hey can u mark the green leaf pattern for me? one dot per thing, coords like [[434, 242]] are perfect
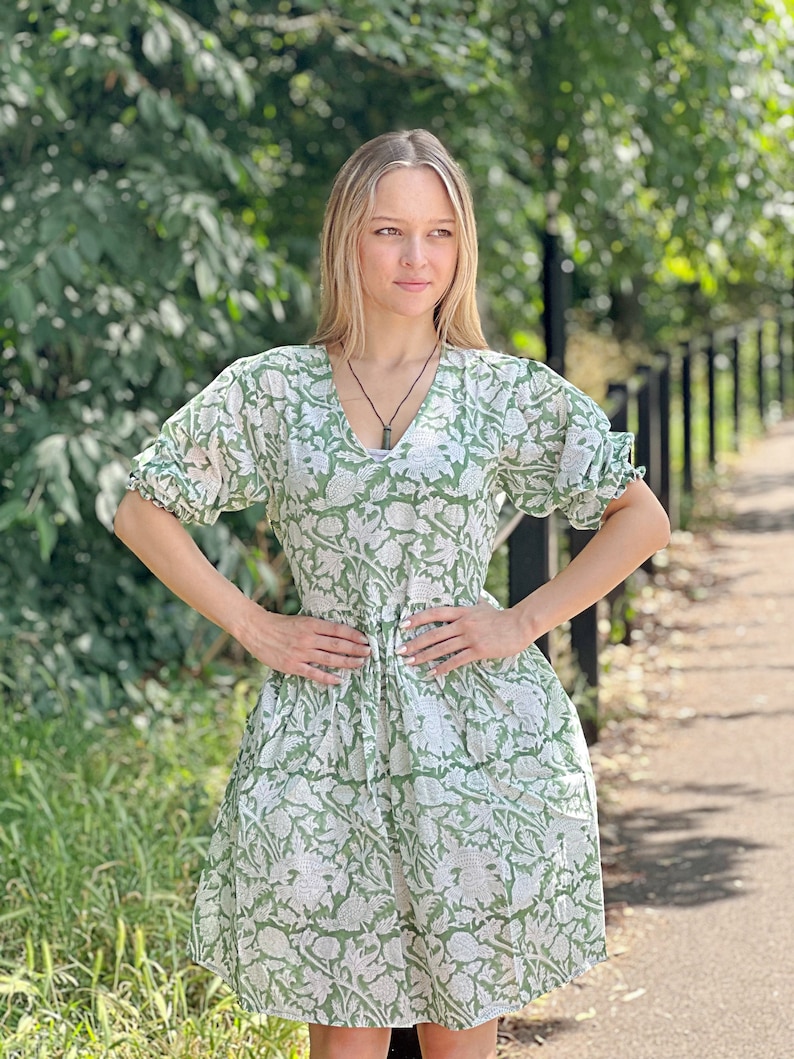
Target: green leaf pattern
[[398, 848]]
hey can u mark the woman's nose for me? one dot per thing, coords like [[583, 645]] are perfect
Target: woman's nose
[[413, 252]]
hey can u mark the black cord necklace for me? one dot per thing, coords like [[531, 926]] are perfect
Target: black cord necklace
[[387, 426]]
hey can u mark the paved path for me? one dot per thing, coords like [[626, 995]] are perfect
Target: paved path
[[703, 913]]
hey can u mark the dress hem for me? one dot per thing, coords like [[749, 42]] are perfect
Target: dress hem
[[492, 1012]]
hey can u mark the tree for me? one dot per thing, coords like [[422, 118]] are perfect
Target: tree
[[163, 171], [659, 134], [134, 231]]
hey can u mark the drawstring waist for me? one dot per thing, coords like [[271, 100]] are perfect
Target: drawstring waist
[[373, 618]]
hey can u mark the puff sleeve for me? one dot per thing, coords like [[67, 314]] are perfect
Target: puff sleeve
[[559, 451], [211, 455]]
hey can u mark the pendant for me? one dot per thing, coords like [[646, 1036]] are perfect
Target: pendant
[[386, 437]]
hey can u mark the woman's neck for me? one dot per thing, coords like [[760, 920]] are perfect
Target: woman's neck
[[390, 345]]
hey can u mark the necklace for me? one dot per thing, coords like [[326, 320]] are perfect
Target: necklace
[[387, 426]]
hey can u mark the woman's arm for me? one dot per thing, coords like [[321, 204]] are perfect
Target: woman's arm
[[634, 527], [291, 644]]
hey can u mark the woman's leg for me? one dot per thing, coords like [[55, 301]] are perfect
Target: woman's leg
[[440, 1043], [342, 1042]]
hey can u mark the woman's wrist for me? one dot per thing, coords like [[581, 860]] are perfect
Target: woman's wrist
[[528, 624], [244, 617]]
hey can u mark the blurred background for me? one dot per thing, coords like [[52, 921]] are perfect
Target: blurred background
[[163, 173]]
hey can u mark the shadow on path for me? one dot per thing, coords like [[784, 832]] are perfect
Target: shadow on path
[[759, 521], [667, 860], [763, 484]]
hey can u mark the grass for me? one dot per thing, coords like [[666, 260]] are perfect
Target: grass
[[102, 831]]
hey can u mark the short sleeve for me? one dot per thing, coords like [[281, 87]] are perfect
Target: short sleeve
[[210, 456], [559, 451]]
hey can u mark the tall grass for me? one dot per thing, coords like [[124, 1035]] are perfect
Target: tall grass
[[102, 830]]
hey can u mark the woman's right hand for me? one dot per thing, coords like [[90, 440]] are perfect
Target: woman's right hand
[[294, 644], [299, 644]]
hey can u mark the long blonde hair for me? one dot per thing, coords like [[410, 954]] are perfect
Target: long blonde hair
[[350, 205]]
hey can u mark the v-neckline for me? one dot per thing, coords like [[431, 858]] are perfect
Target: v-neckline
[[353, 436]]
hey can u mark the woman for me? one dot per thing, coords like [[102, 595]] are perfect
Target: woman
[[409, 832]]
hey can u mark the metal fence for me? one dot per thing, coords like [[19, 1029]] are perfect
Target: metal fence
[[685, 408]]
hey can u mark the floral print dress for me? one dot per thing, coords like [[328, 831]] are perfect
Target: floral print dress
[[399, 848]]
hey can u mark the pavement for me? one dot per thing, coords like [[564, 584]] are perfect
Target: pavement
[[701, 895]]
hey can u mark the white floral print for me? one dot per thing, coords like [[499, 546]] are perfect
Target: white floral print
[[398, 848]]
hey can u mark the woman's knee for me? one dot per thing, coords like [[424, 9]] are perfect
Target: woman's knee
[[344, 1042], [440, 1043]]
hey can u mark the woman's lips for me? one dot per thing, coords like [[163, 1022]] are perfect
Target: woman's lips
[[413, 285]]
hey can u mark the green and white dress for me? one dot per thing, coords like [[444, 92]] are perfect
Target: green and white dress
[[399, 848]]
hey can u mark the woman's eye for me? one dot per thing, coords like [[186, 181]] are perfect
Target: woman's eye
[[437, 233]]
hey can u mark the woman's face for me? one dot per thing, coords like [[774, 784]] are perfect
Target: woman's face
[[409, 248]]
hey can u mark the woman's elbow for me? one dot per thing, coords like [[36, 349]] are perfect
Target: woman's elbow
[[662, 529], [656, 520], [650, 518]]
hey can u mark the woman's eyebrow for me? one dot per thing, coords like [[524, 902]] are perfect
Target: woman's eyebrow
[[401, 220]]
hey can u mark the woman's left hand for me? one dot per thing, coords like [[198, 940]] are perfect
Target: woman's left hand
[[467, 634]]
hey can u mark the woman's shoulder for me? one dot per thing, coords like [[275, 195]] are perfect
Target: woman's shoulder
[[504, 367], [291, 358], [278, 366]]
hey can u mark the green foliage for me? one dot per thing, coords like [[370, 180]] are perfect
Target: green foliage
[[660, 136], [163, 171], [136, 263], [97, 877]]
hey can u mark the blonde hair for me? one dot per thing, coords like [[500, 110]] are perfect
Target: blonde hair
[[350, 205]]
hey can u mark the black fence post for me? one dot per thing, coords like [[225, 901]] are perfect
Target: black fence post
[[584, 644], [618, 396], [712, 400], [528, 563], [736, 344], [648, 426], [648, 432], [665, 495], [554, 299], [686, 415]]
